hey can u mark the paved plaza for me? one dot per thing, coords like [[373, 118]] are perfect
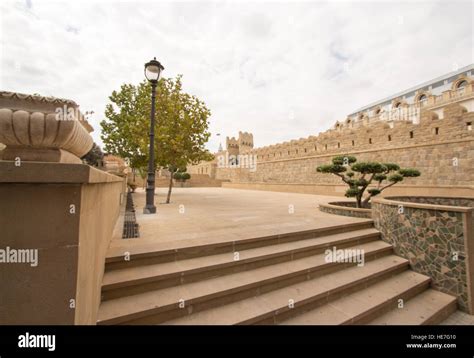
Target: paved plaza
[[207, 214]]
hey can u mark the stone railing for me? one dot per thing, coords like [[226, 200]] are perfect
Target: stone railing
[[452, 95], [411, 112], [436, 235]]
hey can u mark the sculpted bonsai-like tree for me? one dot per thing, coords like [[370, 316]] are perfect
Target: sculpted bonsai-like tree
[[359, 176], [182, 176]]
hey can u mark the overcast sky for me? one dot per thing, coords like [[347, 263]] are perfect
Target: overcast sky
[[281, 70]]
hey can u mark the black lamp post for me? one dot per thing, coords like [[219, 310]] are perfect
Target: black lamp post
[[152, 74]]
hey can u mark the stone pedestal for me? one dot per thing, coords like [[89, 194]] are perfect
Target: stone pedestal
[[67, 213], [29, 154]]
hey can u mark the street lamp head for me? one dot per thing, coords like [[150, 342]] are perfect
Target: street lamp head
[[153, 70]]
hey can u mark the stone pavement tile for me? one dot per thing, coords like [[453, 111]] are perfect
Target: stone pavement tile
[[459, 318]]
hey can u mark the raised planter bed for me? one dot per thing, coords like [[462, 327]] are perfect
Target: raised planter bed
[[345, 208]]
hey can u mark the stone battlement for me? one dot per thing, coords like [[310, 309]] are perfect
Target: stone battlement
[[424, 128], [441, 118]]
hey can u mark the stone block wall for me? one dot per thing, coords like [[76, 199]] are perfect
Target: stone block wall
[[442, 149]]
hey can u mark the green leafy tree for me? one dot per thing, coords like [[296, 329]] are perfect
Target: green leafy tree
[[124, 132], [183, 129], [362, 176], [181, 126]]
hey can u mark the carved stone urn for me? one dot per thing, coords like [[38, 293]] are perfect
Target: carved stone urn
[[45, 129]]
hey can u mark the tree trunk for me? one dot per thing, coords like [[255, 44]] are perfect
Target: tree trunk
[[169, 189], [365, 203], [359, 201]]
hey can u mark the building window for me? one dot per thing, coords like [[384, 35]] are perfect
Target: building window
[[469, 126], [326, 147], [397, 105], [288, 152], [296, 151], [411, 134], [422, 98], [436, 131], [389, 138], [378, 111], [462, 84], [338, 144], [370, 140], [353, 143]]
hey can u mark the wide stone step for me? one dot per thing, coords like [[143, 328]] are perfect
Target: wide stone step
[[429, 307], [138, 279], [362, 306], [274, 306], [162, 304], [186, 249]]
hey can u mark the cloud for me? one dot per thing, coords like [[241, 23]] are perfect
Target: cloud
[[281, 70]]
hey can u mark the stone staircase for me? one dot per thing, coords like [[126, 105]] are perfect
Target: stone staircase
[[280, 279]]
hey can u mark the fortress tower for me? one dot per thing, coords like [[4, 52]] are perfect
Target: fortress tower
[[245, 142], [232, 146], [241, 145]]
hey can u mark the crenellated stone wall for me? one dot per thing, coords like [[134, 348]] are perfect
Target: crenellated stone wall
[[440, 144]]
